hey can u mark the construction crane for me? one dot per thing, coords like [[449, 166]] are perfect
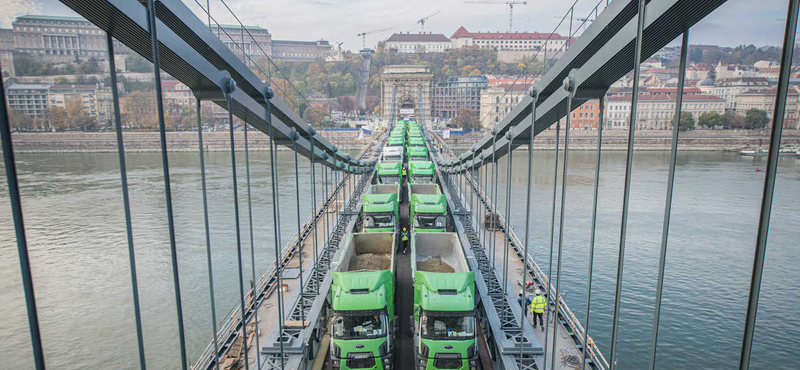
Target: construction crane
[[584, 21], [510, 8], [422, 21], [363, 36]]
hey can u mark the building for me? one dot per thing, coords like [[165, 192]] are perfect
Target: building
[[61, 38], [734, 71], [7, 64], [29, 99], [730, 88], [656, 112], [301, 51], [407, 79], [104, 103], [764, 99], [510, 41], [586, 116], [252, 39], [408, 43], [6, 39], [63, 95], [176, 94], [497, 101], [458, 92]]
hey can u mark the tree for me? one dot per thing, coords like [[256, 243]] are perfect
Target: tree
[[756, 118], [25, 65], [57, 116], [712, 119], [466, 119], [140, 109], [686, 122], [21, 121], [137, 63], [77, 117]]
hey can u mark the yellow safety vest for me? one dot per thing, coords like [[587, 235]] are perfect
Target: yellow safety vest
[[405, 173], [405, 235], [539, 304]]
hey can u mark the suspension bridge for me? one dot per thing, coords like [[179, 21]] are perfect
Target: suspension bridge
[[282, 323]]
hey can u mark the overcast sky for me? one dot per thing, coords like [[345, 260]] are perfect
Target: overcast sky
[[758, 22]]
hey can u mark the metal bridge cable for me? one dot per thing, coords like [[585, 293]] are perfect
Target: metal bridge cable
[[601, 107], [627, 192], [494, 196], [507, 235], [151, 25], [253, 283], [236, 218], [314, 211], [552, 238], [208, 234], [326, 203], [19, 228], [769, 183], [534, 92], [673, 158], [276, 221], [137, 313], [569, 85], [485, 202], [295, 135]]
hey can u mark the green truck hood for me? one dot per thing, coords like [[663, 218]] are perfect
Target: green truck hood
[[428, 203], [436, 346], [420, 167], [379, 202], [390, 168], [344, 282], [432, 282], [348, 346]]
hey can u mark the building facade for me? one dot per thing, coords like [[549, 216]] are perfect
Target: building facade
[[409, 43], [764, 99], [656, 112], [586, 116], [407, 79], [61, 38], [252, 39], [301, 51], [510, 41], [63, 96], [458, 92], [730, 88], [497, 101], [29, 99]]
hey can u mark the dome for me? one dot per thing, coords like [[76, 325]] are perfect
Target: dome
[[708, 81]]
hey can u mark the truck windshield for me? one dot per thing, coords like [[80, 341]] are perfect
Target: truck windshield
[[447, 327], [390, 179], [391, 157], [429, 221], [379, 220], [359, 324], [422, 179]]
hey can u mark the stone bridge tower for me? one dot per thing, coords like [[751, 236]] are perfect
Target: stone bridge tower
[[407, 78]]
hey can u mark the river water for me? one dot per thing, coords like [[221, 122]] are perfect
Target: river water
[[76, 234]]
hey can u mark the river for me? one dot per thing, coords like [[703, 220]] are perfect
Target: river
[[78, 250]]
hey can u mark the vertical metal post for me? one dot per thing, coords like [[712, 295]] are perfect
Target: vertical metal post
[[494, 195], [126, 200], [769, 183], [552, 237], [19, 228], [327, 200], [628, 174], [276, 214], [594, 228], [294, 136], [151, 23], [533, 92], [569, 86], [485, 204], [230, 87], [507, 235], [254, 282], [311, 133], [208, 236], [673, 159]]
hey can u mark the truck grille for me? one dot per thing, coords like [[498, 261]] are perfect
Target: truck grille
[[447, 361], [360, 360]]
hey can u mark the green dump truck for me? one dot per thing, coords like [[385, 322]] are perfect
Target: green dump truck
[[362, 296], [444, 303], [417, 153], [381, 208], [389, 173], [428, 213], [421, 172]]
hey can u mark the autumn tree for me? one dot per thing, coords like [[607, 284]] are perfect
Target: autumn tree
[[466, 119], [140, 109]]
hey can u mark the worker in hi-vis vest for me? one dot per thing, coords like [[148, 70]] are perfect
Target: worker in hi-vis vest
[[538, 306], [404, 239], [405, 172]]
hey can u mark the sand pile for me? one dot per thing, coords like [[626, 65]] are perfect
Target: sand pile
[[369, 261], [434, 265]]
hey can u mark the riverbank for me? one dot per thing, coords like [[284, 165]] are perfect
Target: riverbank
[[144, 142], [652, 140]]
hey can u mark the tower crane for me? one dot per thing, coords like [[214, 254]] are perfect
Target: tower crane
[[422, 21], [584, 21], [364, 36], [510, 4]]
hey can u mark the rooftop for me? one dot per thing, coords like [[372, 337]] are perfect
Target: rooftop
[[238, 27], [51, 18], [462, 32], [418, 37], [667, 98]]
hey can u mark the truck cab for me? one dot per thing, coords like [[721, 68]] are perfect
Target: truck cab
[[392, 154], [381, 208], [428, 213], [444, 304], [421, 172], [417, 153], [362, 296], [389, 173]]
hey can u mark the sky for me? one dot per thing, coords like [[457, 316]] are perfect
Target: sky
[[759, 22]]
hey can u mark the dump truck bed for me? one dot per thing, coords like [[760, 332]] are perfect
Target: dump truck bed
[[368, 252]]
